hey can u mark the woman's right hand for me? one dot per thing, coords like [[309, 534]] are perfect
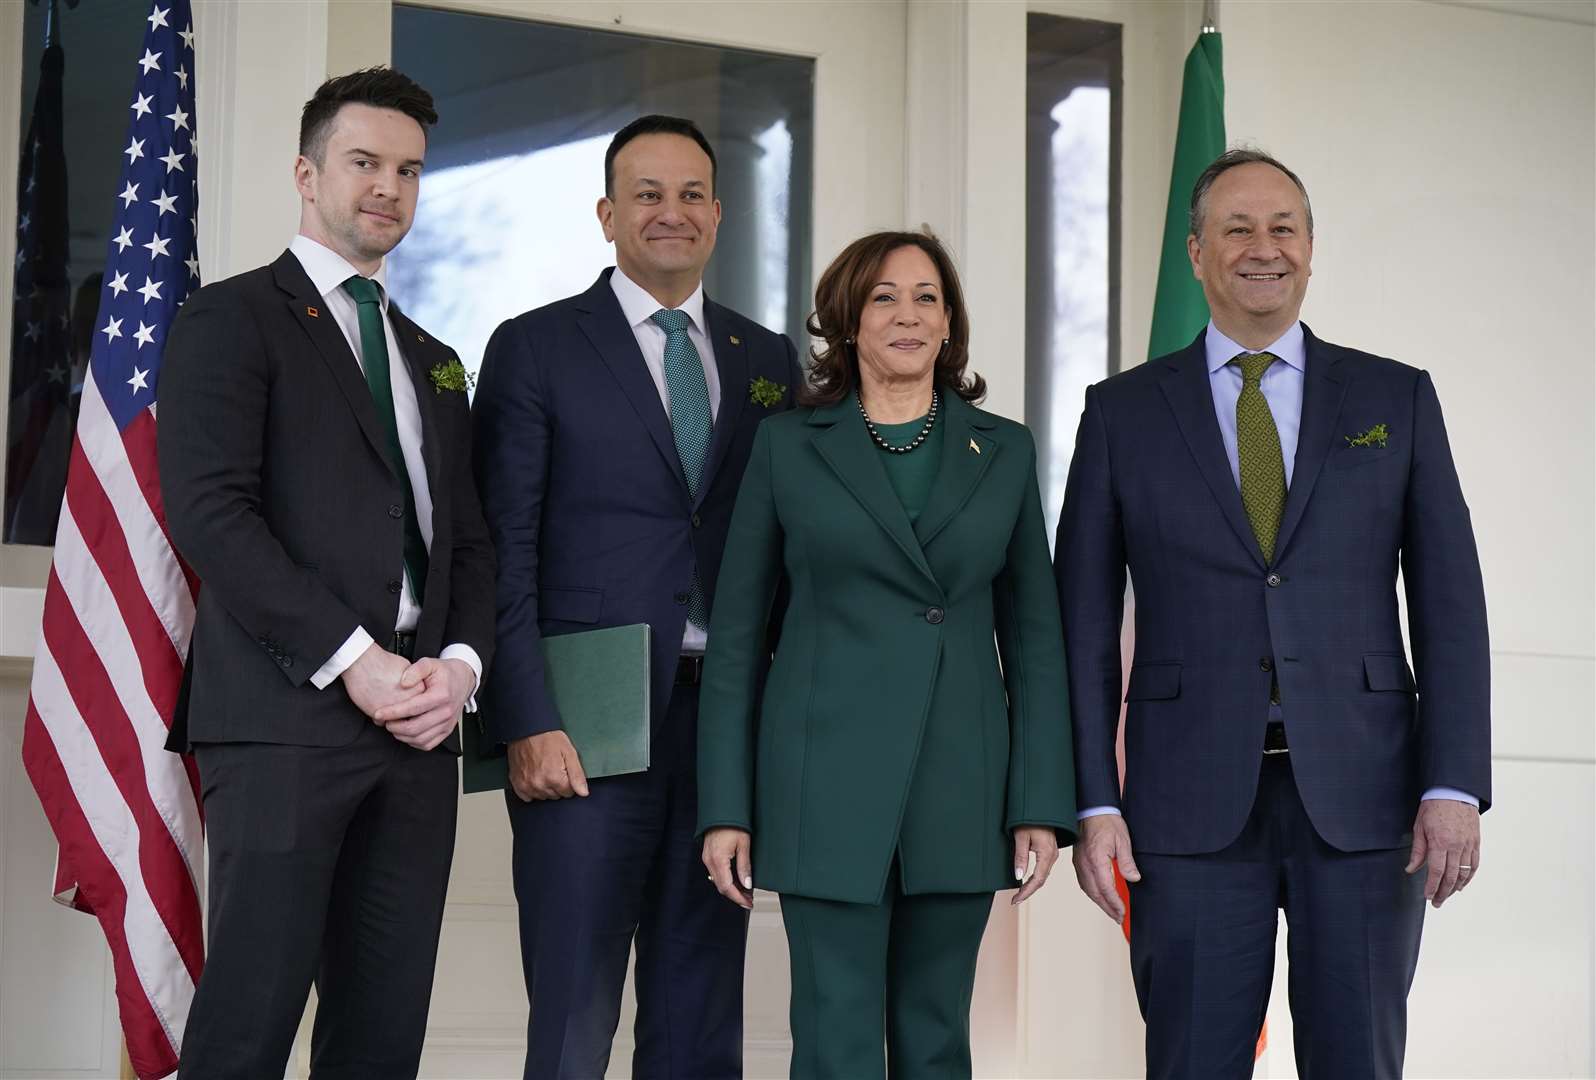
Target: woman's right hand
[[728, 858]]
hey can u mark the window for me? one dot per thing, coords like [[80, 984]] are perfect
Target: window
[[74, 114], [1072, 210], [515, 167]]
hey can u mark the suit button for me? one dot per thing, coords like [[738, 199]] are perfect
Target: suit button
[[395, 587], [1266, 664], [1273, 581], [696, 522], [680, 598], [935, 615], [396, 511]]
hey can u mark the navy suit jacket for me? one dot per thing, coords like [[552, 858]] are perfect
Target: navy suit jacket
[[583, 490], [1150, 490]]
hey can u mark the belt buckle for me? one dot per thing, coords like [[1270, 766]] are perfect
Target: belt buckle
[[689, 669]]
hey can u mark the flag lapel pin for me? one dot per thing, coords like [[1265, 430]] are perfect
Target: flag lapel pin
[[313, 313], [975, 446], [735, 340]]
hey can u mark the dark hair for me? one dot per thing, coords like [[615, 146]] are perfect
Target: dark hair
[[655, 124], [1241, 155], [840, 299], [379, 87]]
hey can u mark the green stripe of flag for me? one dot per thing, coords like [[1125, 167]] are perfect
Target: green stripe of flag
[[1179, 310]]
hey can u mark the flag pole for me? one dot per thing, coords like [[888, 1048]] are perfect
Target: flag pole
[[1210, 16]]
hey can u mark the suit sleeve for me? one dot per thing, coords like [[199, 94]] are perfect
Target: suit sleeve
[[1089, 569], [514, 438], [1446, 613], [1041, 787], [215, 392], [728, 701], [472, 565]]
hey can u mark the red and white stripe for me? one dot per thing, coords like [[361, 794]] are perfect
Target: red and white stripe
[[117, 615]]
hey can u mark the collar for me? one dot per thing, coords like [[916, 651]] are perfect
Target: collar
[[1289, 347], [328, 270], [638, 306]]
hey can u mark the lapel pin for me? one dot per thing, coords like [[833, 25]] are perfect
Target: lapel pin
[[421, 338], [313, 313], [974, 447], [735, 340]]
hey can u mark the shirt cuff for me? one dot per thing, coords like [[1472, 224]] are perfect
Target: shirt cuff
[[1450, 793], [1094, 811], [469, 655], [350, 651]]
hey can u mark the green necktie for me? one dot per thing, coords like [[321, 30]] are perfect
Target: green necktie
[[1258, 456], [691, 422], [374, 356]]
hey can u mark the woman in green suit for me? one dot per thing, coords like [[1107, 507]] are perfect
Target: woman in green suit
[[908, 752]]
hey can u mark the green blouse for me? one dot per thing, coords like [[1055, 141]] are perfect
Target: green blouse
[[912, 474]]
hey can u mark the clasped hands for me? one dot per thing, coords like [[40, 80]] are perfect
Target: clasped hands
[[417, 703]]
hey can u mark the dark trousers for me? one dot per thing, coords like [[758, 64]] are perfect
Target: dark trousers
[[1203, 947], [327, 866], [593, 874], [899, 973]]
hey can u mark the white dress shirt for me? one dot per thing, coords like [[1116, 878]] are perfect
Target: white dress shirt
[[328, 271], [639, 308], [1282, 387]]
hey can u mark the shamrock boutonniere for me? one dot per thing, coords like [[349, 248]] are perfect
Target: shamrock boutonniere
[[761, 391], [1375, 437], [451, 376]]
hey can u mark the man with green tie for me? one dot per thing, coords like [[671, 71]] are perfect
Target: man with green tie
[[612, 432], [1262, 487], [315, 456]]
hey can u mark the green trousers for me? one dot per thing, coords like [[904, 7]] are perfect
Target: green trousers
[[897, 976]]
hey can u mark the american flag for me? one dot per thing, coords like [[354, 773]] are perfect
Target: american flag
[[119, 604]]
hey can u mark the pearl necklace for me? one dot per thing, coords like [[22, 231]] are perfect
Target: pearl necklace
[[912, 444]]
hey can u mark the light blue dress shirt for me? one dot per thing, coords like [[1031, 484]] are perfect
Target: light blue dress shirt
[[1282, 385]]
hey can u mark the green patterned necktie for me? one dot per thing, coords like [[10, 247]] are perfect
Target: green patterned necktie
[[374, 357], [1258, 456], [690, 420]]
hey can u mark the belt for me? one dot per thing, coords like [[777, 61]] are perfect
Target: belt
[[690, 669], [403, 643], [1275, 738]]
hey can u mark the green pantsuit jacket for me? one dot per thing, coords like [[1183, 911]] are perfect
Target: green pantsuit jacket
[[915, 706]]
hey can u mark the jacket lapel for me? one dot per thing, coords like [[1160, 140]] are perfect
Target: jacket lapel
[[966, 455], [604, 324], [1185, 384], [846, 447], [1324, 389], [731, 363], [329, 340], [421, 353]]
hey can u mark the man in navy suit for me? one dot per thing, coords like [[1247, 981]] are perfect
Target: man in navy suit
[[1263, 487], [614, 427]]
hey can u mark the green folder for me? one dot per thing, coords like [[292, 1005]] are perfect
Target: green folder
[[599, 682]]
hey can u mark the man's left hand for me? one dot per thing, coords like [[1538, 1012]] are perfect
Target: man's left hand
[[426, 720], [1446, 836]]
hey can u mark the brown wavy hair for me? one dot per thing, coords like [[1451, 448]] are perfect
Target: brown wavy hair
[[840, 299]]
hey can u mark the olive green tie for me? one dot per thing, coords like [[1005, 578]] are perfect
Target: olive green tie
[[1258, 456]]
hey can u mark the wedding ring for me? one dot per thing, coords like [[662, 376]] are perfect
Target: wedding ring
[[1464, 866]]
